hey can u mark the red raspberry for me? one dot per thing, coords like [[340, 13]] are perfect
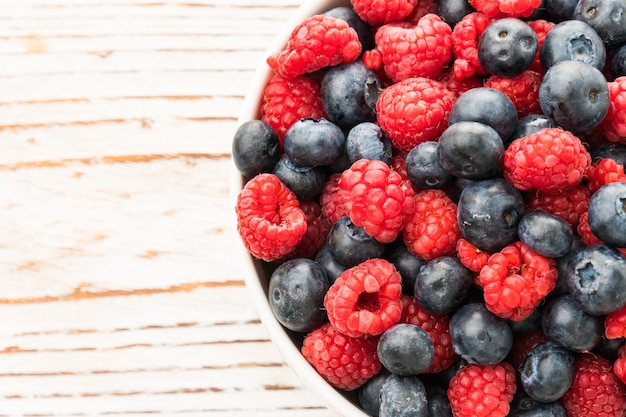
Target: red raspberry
[[506, 8], [317, 42], [515, 280], [333, 199], [551, 160], [482, 390], [377, 12], [398, 164], [344, 362], [378, 199], [615, 324], [269, 218], [595, 390], [459, 86], [613, 126], [316, 231], [569, 205], [437, 327], [422, 8], [522, 344], [414, 111], [465, 38], [619, 366], [433, 229], [541, 28], [523, 90], [407, 50], [603, 172], [470, 256], [285, 101], [365, 299]]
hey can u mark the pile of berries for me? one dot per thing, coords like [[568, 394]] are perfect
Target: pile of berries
[[437, 188]]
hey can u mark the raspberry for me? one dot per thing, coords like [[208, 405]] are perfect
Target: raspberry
[[465, 37], [603, 172], [318, 42], [619, 366], [523, 343], [422, 8], [482, 390], [377, 12], [333, 199], [420, 50], [569, 205], [269, 218], [595, 391], [398, 164], [615, 324], [523, 90], [433, 229], [515, 280], [316, 232], [551, 160], [506, 8], [470, 256], [437, 327], [413, 111], [459, 86], [377, 198], [344, 362], [285, 101], [613, 126], [365, 299], [541, 28]]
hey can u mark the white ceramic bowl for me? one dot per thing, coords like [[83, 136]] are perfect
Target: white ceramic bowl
[[257, 274]]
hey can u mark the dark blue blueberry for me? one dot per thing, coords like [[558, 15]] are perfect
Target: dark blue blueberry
[[613, 150], [479, 336], [407, 264], [423, 167], [363, 30], [340, 164], [607, 17], [547, 371], [255, 148], [471, 150], [368, 141], [453, 11], [524, 406], [403, 396], [306, 182], [529, 324], [618, 62], [561, 265], [607, 214], [442, 285], [507, 47], [368, 394], [326, 260], [314, 142], [438, 402], [296, 294], [609, 348], [574, 95], [560, 10], [350, 245], [531, 124], [405, 349], [565, 323], [489, 212], [486, 105], [545, 233], [349, 94], [596, 279], [573, 40]]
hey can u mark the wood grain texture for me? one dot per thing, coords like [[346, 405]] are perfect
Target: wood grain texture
[[120, 293]]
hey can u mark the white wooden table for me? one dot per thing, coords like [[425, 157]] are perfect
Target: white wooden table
[[120, 293]]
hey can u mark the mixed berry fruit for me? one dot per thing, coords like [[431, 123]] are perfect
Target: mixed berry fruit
[[436, 190]]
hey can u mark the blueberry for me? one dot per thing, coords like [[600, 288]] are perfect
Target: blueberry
[[607, 17], [507, 47], [529, 324], [560, 10], [613, 150], [255, 148], [561, 265], [489, 212], [607, 214], [442, 285], [471, 150], [547, 371], [330, 265], [609, 348], [403, 396], [617, 64], [296, 294], [306, 182], [573, 40], [545, 233], [407, 264], [349, 94], [565, 323], [575, 95], [350, 245], [368, 394], [405, 349], [423, 167], [453, 11], [529, 124], [368, 141], [486, 105], [596, 279], [314, 142], [479, 336], [363, 30], [438, 402], [525, 406]]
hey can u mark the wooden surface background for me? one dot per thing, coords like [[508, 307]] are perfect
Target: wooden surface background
[[120, 289]]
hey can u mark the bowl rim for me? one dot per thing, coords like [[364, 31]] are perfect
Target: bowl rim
[[334, 400]]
